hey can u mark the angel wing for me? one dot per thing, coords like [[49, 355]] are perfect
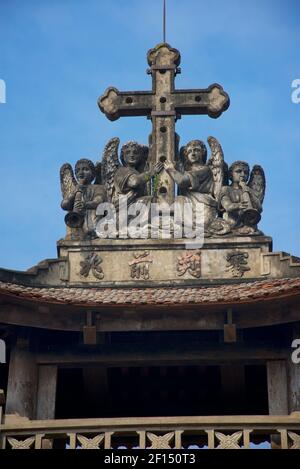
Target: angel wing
[[67, 180], [180, 160], [144, 166], [98, 177], [110, 164], [257, 182], [218, 166]]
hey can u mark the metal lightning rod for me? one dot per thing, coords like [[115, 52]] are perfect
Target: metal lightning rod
[[164, 21]]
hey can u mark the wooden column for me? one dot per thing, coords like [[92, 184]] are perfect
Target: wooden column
[[294, 372], [22, 381], [294, 387], [46, 397], [2, 402], [277, 387]]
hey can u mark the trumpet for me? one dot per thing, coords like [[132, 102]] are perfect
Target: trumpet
[[75, 219], [250, 215]]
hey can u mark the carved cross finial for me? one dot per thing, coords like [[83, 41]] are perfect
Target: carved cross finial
[[164, 105]]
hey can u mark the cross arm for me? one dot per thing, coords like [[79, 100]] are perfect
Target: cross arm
[[115, 103], [212, 101]]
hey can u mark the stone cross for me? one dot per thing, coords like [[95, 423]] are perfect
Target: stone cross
[[163, 105]]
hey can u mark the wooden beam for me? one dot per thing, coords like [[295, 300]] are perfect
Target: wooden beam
[[129, 424], [29, 317], [148, 318], [141, 355]]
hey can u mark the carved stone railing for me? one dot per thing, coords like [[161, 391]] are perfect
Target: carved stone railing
[[226, 432]]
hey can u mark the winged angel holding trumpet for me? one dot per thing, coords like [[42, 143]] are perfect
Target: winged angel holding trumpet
[[229, 208]]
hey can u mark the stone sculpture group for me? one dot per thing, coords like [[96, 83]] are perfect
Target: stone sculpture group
[[232, 198]]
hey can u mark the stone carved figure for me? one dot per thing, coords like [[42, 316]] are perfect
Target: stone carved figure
[[228, 209], [132, 177], [80, 196], [200, 182], [233, 209], [129, 179], [242, 201]]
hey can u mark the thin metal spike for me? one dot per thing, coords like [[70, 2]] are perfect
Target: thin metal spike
[[164, 21]]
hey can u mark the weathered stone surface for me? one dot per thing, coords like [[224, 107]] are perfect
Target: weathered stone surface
[[163, 105], [116, 258], [81, 197]]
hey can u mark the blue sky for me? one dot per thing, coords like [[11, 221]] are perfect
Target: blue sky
[[58, 56]]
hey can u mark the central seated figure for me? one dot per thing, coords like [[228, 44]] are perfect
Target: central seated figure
[[196, 182]]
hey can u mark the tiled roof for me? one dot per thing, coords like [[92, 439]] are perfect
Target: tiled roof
[[202, 295]]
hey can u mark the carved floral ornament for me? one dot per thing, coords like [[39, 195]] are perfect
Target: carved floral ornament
[[160, 442], [21, 444], [295, 439], [90, 443], [229, 441]]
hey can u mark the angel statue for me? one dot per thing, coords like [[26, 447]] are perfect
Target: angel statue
[[242, 201], [80, 196], [200, 182], [132, 178]]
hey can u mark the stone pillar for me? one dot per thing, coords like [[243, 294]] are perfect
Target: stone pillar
[[22, 381], [46, 397], [277, 387]]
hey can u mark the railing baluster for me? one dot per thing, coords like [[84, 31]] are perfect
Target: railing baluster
[[222, 432], [246, 438], [284, 439], [210, 439], [38, 440], [178, 434], [142, 439], [72, 440], [3, 442], [107, 440]]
